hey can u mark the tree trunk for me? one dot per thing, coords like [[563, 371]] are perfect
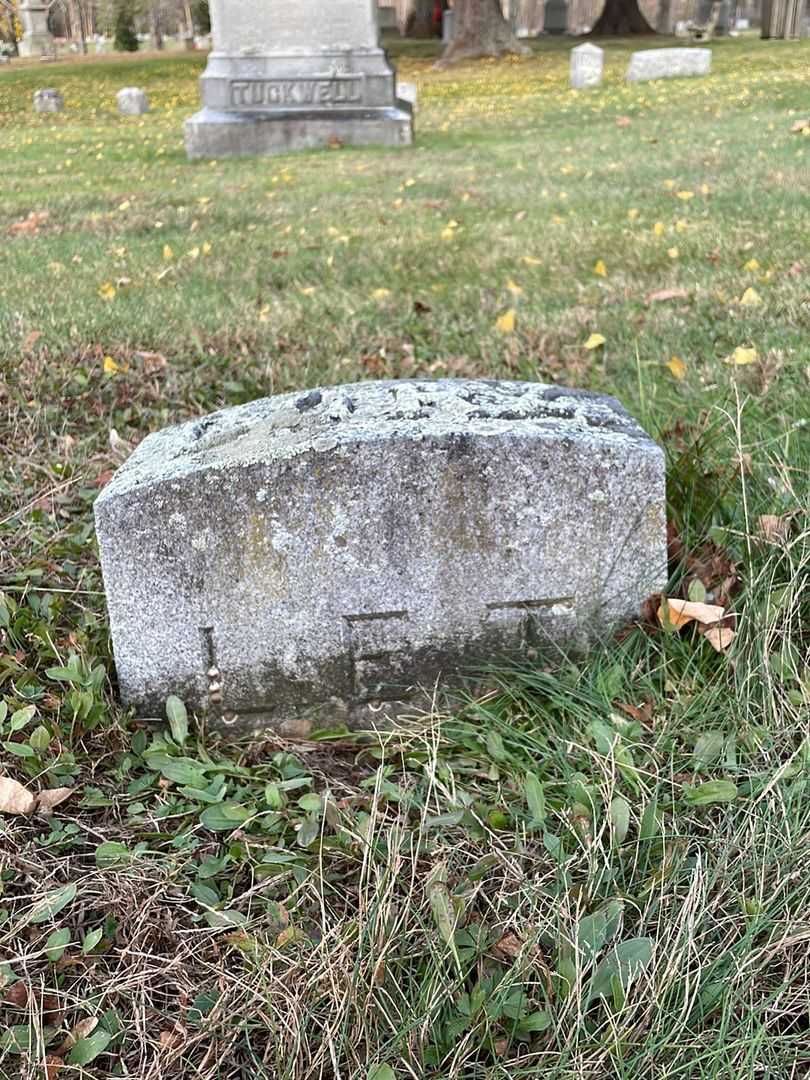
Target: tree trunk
[[663, 22], [421, 22], [621, 18], [156, 32], [480, 30]]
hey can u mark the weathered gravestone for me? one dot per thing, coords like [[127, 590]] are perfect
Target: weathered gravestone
[[48, 100], [587, 64], [668, 64], [314, 558], [132, 101], [37, 39], [288, 76]]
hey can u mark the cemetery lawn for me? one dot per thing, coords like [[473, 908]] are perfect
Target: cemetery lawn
[[593, 870]]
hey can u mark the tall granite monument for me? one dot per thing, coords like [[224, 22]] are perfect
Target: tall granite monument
[[37, 39], [289, 76]]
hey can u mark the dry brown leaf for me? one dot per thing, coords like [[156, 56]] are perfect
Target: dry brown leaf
[[14, 798], [153, 362], [773, 528], [678, 613], [510, 945], [51, 797], [641, 713], [662, 295], [29, 226], [78, 1031], [53, 1012], [172, 1040], [17, 995], [31, 340], [53, 1063], [719, 637]]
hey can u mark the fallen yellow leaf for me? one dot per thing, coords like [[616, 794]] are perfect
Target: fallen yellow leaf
[[110, 366], [264, 313], [168, 254], [107, 291], [633, 214], [659, 228], [530, 260], [742, 356], [686, 195], [307, 290], [669, 184], [673, 253], [600, 268], [514, 288], [677, 367], [506, 323], [595, 341], [380, 294], [752, 264], [750, 298]]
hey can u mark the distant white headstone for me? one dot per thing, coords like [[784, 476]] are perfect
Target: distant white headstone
[[408, 91], [48, 100], [669, 64], [132, 101], [324, 557], [587, 64]]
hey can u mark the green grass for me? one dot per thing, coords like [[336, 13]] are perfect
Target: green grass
[[447, 900]]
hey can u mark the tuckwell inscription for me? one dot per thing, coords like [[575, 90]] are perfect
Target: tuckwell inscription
[[333, 91]]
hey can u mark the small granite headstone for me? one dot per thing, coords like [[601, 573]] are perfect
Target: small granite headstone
[[556, 17], [325, 557], [295, 75], [448, 25], [48, 101], [669, 64], [587, 64], [132, 101]]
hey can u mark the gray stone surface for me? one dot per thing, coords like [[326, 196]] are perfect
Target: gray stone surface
[[668, 64], [555, 20], [448, 26], [48, 100], [587, 65], [285, 76], [37, 39], [318, 557], [132, 101]]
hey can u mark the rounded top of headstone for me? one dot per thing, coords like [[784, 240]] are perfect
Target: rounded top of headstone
[[587, 47], [320, 420]]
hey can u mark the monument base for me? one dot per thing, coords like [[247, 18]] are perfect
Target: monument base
[[214, 134], [33, 45]]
